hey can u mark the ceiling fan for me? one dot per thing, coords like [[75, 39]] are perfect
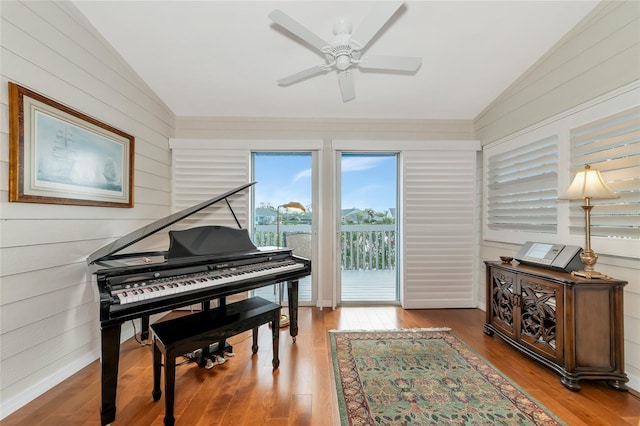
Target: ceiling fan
[[343, 52]]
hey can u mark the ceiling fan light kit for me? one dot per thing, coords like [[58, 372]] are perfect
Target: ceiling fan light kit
[[343, 51]]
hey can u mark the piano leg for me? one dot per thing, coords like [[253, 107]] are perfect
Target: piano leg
[[144, 328], [110, 336], [292, 292]]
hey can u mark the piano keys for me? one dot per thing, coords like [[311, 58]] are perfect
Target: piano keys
[[131, 293], [201, 264]]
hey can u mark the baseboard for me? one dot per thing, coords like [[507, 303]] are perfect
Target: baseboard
[[324, 304], [8, 406], [634, 385], [14, 403], [440, 304]]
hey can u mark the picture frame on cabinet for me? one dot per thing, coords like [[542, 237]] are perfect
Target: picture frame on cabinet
[[58, 155]]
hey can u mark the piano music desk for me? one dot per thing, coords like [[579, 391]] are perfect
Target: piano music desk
[[176, 337]]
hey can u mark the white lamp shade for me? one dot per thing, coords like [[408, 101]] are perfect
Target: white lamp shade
[[588, 184]]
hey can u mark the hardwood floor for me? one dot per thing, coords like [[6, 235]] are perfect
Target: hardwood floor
[[245, 390]]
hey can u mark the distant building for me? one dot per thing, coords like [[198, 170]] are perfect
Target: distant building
[[265, 216], [352, 215]]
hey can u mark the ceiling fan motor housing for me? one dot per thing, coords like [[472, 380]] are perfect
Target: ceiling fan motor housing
[[341, 50]]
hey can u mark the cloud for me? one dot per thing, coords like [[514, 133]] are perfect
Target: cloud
[[358, 164], [301, 175]]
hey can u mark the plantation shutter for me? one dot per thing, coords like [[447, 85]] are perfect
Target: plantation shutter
[[611, 145], [439, 229], [522, 188], [201, 174]]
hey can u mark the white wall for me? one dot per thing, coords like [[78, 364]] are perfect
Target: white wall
[[598, 56], [260, 128], [49, 324]]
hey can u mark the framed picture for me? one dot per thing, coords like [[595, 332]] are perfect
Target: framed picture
[[61, 156]]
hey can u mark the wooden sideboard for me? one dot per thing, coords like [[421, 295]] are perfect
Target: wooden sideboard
[[571, 324]]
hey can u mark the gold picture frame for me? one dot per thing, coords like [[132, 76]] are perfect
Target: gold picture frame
[[61, 156]]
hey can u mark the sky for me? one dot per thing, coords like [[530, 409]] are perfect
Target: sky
[[368, 181]]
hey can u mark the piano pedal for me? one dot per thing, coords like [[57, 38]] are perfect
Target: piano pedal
[[213, 357], [213, 349], [213, 361], [195, 355]]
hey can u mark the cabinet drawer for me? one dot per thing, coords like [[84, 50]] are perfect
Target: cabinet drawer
[[540, 327]]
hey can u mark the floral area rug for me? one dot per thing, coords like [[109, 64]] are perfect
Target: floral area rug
[[424, 377]]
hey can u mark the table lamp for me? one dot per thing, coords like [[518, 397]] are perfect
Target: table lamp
[[588, 185]]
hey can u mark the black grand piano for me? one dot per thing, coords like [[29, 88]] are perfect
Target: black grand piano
[[202, 264]]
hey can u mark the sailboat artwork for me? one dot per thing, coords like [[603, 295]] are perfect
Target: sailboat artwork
[[58, 155], [69, 154], [58, 166]]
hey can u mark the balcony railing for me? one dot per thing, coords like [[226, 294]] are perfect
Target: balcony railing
[[363, 247]]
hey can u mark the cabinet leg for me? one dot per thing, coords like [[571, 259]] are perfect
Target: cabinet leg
[[487, 330], [618, 385], [570, 384]]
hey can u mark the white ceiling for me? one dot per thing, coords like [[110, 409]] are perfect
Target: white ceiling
[[215, 58]]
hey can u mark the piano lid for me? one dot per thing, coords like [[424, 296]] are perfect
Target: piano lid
[[141, 233]]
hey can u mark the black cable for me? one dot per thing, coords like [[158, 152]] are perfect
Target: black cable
[[135, 335]]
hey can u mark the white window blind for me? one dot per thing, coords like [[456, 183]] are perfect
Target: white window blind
[[439, 229], [201, 174], [523, 188], [611, 145]]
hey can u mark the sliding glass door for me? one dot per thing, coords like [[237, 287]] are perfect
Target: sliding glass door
[[368, 227], [282, 210]]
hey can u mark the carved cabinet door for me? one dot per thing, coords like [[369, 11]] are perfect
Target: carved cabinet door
[[540, 326], [504, 307]]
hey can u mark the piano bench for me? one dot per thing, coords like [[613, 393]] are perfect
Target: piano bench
[[176, 337]]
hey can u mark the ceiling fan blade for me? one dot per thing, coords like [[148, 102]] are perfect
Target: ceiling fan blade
[[347, 87], [382, 11], [302, 75], [391, 63], [294, 27]]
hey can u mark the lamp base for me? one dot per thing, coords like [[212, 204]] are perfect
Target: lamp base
[[590, 275], [284, 321]]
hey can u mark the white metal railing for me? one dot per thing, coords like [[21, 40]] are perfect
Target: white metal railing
[[368, 247], [363, 247]]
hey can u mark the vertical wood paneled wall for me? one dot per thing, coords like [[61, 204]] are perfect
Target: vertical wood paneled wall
[[600, 55], [49, 324]]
